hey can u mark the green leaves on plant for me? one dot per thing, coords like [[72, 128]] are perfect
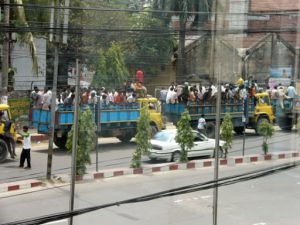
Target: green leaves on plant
[[85, 141], [184, 136], [267, 131], [226, 132], [142, 137]]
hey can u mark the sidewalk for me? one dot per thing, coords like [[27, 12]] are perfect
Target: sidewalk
[[150, 169]]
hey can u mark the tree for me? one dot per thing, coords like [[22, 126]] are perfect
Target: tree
[[142, 137], [15, 17], [226, 132], [146, 49], [267, 131], [110, 68], [184, 136], [86, 142]]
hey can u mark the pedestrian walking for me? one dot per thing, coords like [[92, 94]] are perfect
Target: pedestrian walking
[[25, 155], [202, 124]]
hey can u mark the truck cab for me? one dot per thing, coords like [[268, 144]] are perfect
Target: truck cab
[[263, 111]]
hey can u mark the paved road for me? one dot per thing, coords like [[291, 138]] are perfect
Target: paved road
[[271, 200], [114, 154]]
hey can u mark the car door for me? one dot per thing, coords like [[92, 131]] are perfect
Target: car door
[[201, 146]]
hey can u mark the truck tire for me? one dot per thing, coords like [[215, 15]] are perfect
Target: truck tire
[[154, 130], [239, 130], [259, 122], [125, 138], [210, 130], [60, 142], [3, 150], [285, 123]]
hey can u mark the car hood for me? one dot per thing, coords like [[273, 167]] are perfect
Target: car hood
[[164, 144]]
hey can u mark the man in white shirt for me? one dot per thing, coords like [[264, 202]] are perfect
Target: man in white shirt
[[25, 155], [201, 124]]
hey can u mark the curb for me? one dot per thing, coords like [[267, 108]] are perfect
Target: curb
[[147, 170]]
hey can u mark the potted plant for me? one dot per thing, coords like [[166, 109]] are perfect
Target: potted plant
[[226, 133], [267, 131], [184, 135]]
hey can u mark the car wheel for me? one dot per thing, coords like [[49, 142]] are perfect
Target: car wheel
[[176, 157]]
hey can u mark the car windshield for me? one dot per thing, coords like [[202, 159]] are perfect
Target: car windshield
[[163, 136]]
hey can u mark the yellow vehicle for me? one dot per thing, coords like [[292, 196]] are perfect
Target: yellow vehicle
[[263, 111], [8, 133]]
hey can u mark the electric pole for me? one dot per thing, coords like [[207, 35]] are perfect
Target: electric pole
[[5, 55]]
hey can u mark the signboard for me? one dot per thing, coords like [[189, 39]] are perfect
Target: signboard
[[280, 75], [19, 107]]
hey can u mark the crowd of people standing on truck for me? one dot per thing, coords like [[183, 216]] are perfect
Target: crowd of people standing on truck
[[241, 90], [189, 94], [128, 93]]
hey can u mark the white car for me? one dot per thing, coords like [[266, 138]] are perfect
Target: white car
[[164, 146]]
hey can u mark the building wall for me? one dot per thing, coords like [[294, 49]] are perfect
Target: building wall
[[24, 78]]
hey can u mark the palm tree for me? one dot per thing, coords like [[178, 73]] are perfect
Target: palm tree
[[183, 7], [18, 16]]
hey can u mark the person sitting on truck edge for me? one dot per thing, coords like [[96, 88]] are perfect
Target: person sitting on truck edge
[[25, 155], [201, 125], [7, 134]]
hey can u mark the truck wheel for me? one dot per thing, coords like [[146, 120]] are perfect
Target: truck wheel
[[154, 130], [285, 123], [3, 151], [210, 130], [259, 122], [124, 138], [220, 153], [60, 142], [239, 130]]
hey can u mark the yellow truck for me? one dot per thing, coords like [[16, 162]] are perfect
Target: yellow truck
[[8, 134]]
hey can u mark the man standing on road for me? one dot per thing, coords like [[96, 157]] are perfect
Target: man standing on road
[[201, 125], [25, 155]]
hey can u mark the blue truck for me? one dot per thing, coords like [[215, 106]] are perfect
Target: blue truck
[[287, 114], [113, 120], [249, 114]]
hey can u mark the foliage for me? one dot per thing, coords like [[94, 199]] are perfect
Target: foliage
[[267, 131], [19, 20], [142, 137], [298, 125], [110, 68], [184, 136], [86, 142], [145, 50], [226, 132]]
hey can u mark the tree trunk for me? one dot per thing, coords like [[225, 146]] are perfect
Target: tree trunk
[[5, 57], [181, 64]]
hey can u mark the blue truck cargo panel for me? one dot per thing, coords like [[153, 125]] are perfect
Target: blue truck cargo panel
[[113, 113]]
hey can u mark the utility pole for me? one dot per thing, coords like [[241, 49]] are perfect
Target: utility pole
[[74, 142], [56, 42], [53, 99], [5, 56]]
